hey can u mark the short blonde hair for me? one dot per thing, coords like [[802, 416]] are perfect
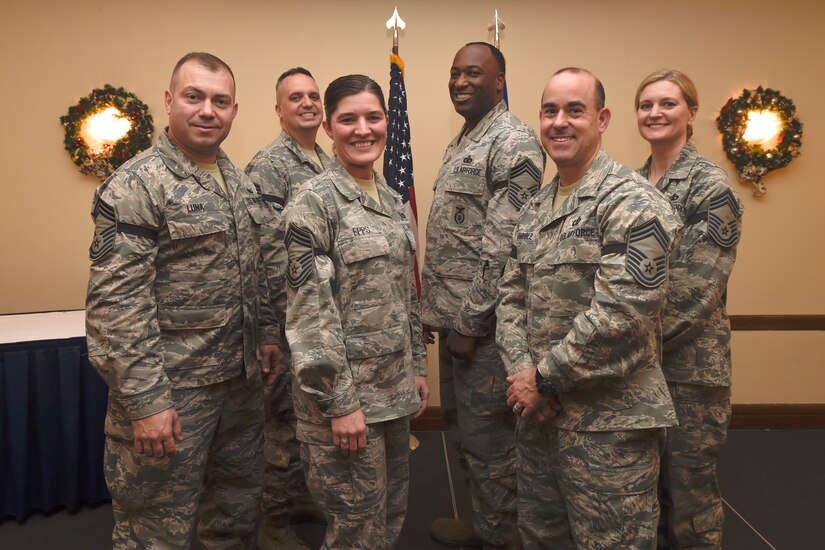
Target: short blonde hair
[[681, 80]]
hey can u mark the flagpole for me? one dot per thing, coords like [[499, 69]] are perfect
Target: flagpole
[[496, 27]]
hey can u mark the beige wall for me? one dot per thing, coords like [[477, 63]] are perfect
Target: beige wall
[[55, 53]]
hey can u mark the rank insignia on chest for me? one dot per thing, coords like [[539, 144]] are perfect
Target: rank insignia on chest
[[647, 246], [723, 219], [298, 241], [468, 159]]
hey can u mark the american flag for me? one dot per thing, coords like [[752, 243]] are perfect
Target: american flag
[[398, 163]]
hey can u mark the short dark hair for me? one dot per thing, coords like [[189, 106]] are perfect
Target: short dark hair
[[499, 57], [351, 84], [211, 62], [291, 72], [600, 95]]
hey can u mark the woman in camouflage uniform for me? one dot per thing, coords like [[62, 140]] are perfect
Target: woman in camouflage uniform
[[353, 327], [695, 327]]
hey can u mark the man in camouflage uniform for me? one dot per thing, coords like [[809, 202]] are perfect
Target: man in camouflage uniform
[[279, 169], [489, 171], [355, 334], [579, 308], [696, 343], [172, 326]]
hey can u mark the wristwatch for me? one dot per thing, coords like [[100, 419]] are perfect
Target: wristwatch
[[546, 387]]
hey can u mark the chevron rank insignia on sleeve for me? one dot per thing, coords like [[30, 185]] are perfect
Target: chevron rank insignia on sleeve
[[525, 180], [298, 242], [105, 229], [647, 246], [723, 219]]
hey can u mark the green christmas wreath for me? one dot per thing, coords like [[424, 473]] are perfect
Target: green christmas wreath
[[752, 161], [138, 138]]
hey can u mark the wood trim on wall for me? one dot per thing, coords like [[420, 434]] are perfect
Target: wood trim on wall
[[756, 416], [777, 322]]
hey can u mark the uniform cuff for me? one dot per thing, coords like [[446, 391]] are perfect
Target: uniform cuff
[[468, 327], [549, 371], [147, 404], [339, 405]]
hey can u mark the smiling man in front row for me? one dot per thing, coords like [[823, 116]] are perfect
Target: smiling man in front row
[[172, 324], [579, 328]]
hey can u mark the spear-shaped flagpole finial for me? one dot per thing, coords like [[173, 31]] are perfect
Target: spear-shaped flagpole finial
[[497, 26], [395, 22]]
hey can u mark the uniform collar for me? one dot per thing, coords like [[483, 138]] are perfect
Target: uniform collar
[[679, 169], [349, 188], [292, 144], [184, 167], [588, 186], [484, 124]]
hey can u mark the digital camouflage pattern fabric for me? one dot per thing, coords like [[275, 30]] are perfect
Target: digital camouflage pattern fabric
[[354, 330], [279, 169], [696, 342], [580, 300], [695, 324], [172, 305], [572, 305], [486, 177]]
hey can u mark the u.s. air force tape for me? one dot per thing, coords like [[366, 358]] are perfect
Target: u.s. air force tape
[[647, 245], [525, 180], [723, 219], [298, 242]]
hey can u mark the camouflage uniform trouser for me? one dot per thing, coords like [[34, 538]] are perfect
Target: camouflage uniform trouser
[[285, 484], [363, 497], [216, 472], [692, 513], [587, 490], [475, 396]]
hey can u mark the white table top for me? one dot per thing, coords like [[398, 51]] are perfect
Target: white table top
[[55, 325]]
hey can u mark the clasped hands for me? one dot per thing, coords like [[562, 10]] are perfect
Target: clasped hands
[[526, 401]]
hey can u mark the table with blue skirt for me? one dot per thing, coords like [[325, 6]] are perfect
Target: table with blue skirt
[[52, 412]]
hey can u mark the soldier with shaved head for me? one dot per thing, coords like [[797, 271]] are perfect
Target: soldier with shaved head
[[580, 332], [489, 171]]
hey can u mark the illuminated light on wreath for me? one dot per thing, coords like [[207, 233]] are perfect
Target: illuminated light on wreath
[[105, 129], [760, 133]]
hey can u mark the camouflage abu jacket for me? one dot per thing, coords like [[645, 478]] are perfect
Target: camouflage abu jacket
[[695, 324], [279, 169], [174, 281], [581, 299], [353, 323], [485, 178]]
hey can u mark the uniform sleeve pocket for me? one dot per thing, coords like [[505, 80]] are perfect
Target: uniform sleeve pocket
[[377, 342], [192, 318]]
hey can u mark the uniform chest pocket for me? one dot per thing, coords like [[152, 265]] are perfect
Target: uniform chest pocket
[[563, 282], [362, 248], [465, 202], [196, 220]]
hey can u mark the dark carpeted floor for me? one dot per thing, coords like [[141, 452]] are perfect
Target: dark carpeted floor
[[773, 482]]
